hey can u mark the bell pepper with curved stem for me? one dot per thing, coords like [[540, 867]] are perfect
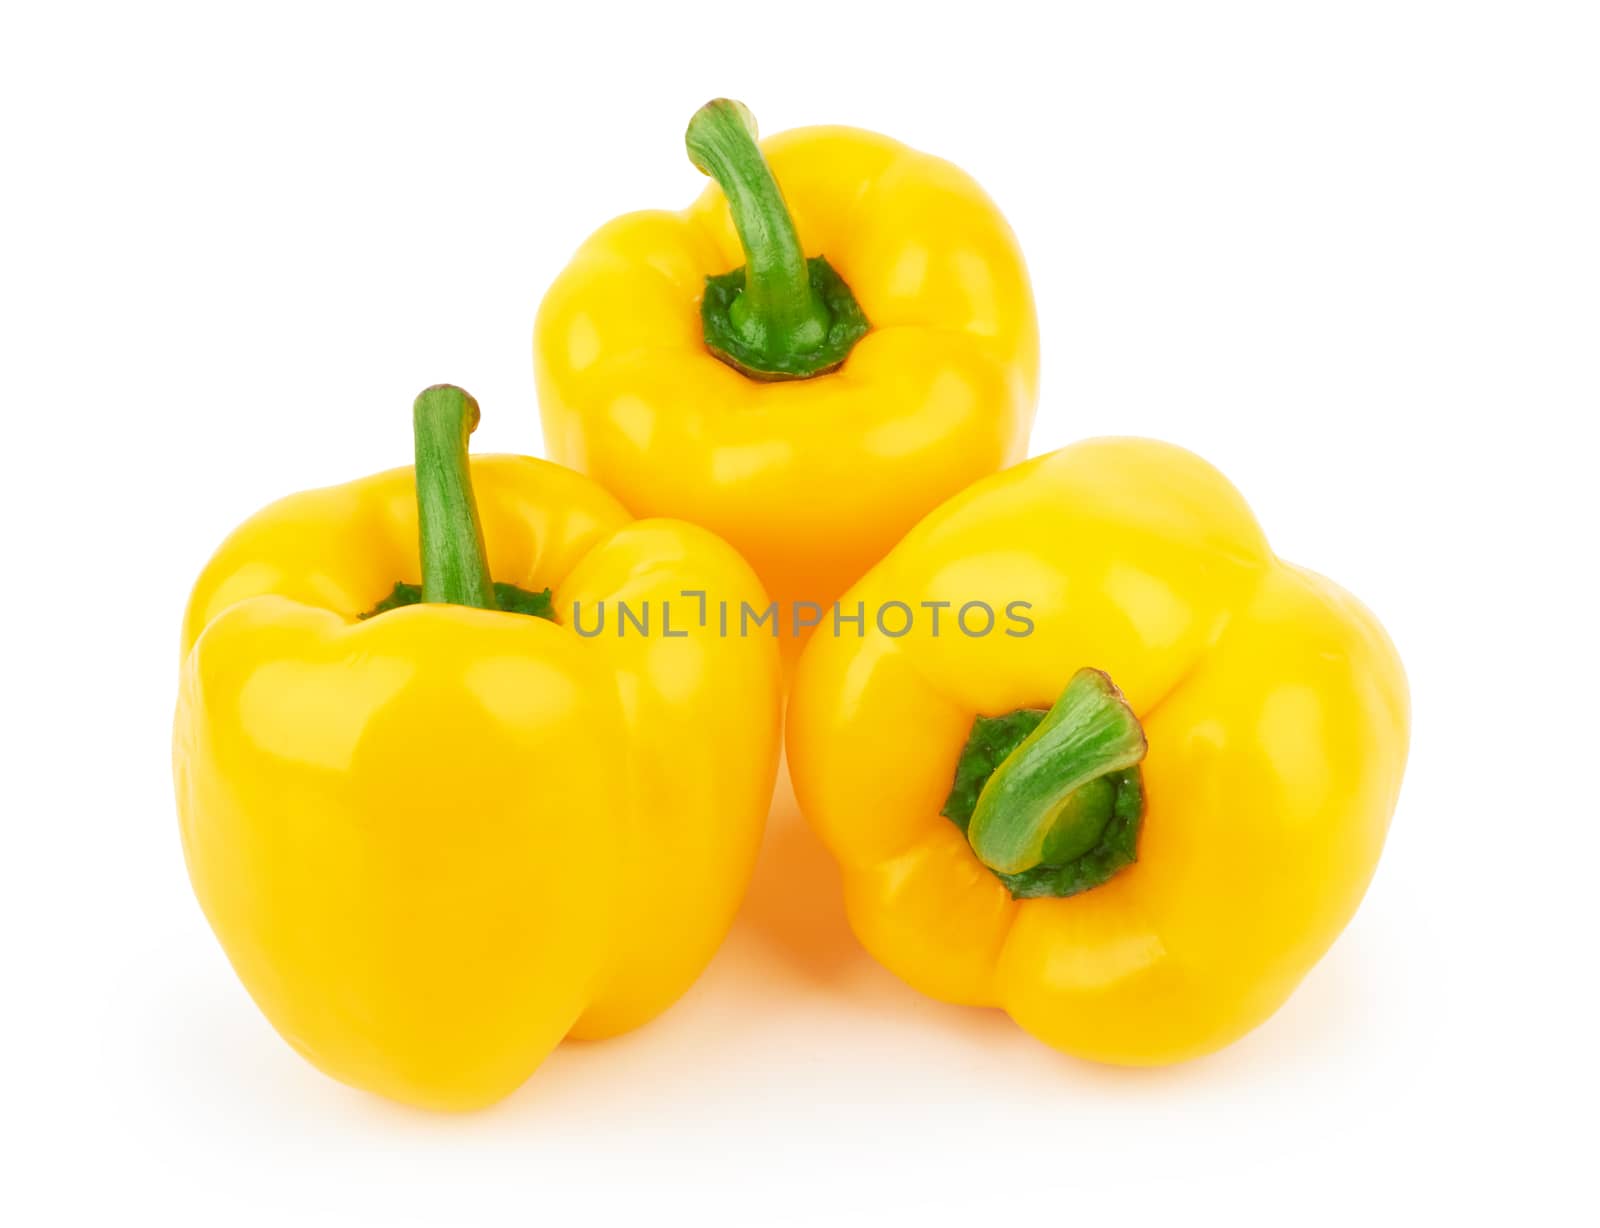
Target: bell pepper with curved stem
[[1135, 812], [835, 337], [435, 827]]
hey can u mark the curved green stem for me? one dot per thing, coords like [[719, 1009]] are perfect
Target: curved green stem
[[1053, 798], [455, 570], [781, 316]]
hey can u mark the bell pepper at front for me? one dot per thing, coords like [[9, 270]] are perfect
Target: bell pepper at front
[[437, 827], [1136, 782], [834, 338]]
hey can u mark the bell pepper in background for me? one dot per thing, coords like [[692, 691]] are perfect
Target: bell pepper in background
[[1138, 809], [435, 829], [809, 411]]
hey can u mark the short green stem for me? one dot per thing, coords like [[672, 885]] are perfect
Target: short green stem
[[781, 316], [1052, 799], [455, 569]]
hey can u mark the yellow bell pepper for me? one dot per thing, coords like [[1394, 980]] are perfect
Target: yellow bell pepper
[[1144, 872], [437, 833], [697, 364]]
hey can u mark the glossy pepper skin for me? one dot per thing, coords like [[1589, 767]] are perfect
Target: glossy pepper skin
[[812, 479], [436, 841], [1276, 717]]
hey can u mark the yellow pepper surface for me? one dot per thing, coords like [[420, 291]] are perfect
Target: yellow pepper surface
[[809, 412], [1263, 715], [436, 840]]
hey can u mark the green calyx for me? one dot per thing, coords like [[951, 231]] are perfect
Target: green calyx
[[455, 569], [1052, 802], [508, 599], [780, 316]]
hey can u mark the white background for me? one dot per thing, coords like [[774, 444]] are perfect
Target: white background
[[1348, 252]]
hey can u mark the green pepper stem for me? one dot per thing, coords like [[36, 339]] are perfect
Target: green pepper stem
[[779, 316], [1048, 801], [455, 570], [778, 311]]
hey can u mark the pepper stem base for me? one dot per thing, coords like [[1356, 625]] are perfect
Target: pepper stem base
[[847, 325], [1053, 802]]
